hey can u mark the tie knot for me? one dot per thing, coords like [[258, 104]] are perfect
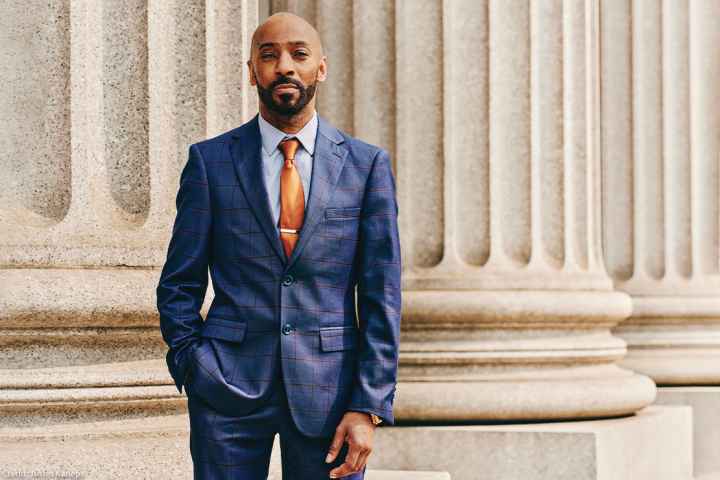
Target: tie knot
[[289, 146]]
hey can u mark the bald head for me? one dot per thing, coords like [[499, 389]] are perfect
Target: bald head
[[286, 64], [286, 27]]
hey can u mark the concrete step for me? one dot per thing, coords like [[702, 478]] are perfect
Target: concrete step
[[704, 401], [709, 476]]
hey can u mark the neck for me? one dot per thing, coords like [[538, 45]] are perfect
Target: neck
[[288, 123]]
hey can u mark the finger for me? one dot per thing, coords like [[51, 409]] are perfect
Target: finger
[[336, 444], [341, 471], [354, 451], [364, 453], [362, 460]]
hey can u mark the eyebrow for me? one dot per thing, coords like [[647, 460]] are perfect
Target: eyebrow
[[296, 42]]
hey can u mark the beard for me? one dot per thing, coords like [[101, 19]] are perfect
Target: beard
[[287, 105]]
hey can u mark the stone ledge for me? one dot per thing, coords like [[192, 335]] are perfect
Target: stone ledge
[[654, 444], [705, 403]]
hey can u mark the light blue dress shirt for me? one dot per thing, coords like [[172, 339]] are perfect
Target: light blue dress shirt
[[273, 160]]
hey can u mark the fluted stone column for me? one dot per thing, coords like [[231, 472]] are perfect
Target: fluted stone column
[[663, 196], [490, 110], [103, 110], [661, 147]]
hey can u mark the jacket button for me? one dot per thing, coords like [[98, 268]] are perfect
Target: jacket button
[[287, 328], [288, 280]]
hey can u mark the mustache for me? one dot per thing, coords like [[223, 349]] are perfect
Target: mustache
[[286, 80]]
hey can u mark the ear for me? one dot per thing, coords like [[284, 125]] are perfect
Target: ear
[[322, 69], [251, 73]]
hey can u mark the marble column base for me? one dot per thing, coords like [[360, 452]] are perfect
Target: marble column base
[[515, 355], [675, 340], [86, 393], [569, 393]]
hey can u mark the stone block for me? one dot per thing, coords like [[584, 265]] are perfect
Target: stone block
[[705, 403], [654, 444]]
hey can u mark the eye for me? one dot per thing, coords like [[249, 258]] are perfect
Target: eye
[[301, 53]]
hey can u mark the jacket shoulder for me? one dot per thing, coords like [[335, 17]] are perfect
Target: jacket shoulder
[[209, 146], [217, 139]]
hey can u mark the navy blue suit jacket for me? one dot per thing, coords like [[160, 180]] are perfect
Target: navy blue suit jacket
[[270, 312]]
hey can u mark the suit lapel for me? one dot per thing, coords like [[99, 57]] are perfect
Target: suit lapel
[[327, 165], [247, 160], [328, 162]]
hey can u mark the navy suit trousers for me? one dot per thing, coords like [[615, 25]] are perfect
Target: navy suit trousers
[[239, 447]]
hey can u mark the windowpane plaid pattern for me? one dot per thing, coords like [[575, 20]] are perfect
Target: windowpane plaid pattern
[[239, 447], [277, 315]]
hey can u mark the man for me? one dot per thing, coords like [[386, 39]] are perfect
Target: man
[[289, 214]]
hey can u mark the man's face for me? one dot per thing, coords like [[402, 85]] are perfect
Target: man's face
[[286, 67]]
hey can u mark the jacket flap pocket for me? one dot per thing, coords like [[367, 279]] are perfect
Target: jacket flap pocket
[[342, 212], [338, 338], [230, 330]]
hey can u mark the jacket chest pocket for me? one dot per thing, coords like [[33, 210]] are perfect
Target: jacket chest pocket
[[342, 213], [341, 222]]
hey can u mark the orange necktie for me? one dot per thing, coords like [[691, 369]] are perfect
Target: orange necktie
[[292, 198]]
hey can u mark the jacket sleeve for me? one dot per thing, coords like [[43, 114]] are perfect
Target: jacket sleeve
[[184, 277], [378, 294]]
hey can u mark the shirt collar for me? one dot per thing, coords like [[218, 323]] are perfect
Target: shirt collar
[[271, 136]]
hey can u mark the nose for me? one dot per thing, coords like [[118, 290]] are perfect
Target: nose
[[285, 65]]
